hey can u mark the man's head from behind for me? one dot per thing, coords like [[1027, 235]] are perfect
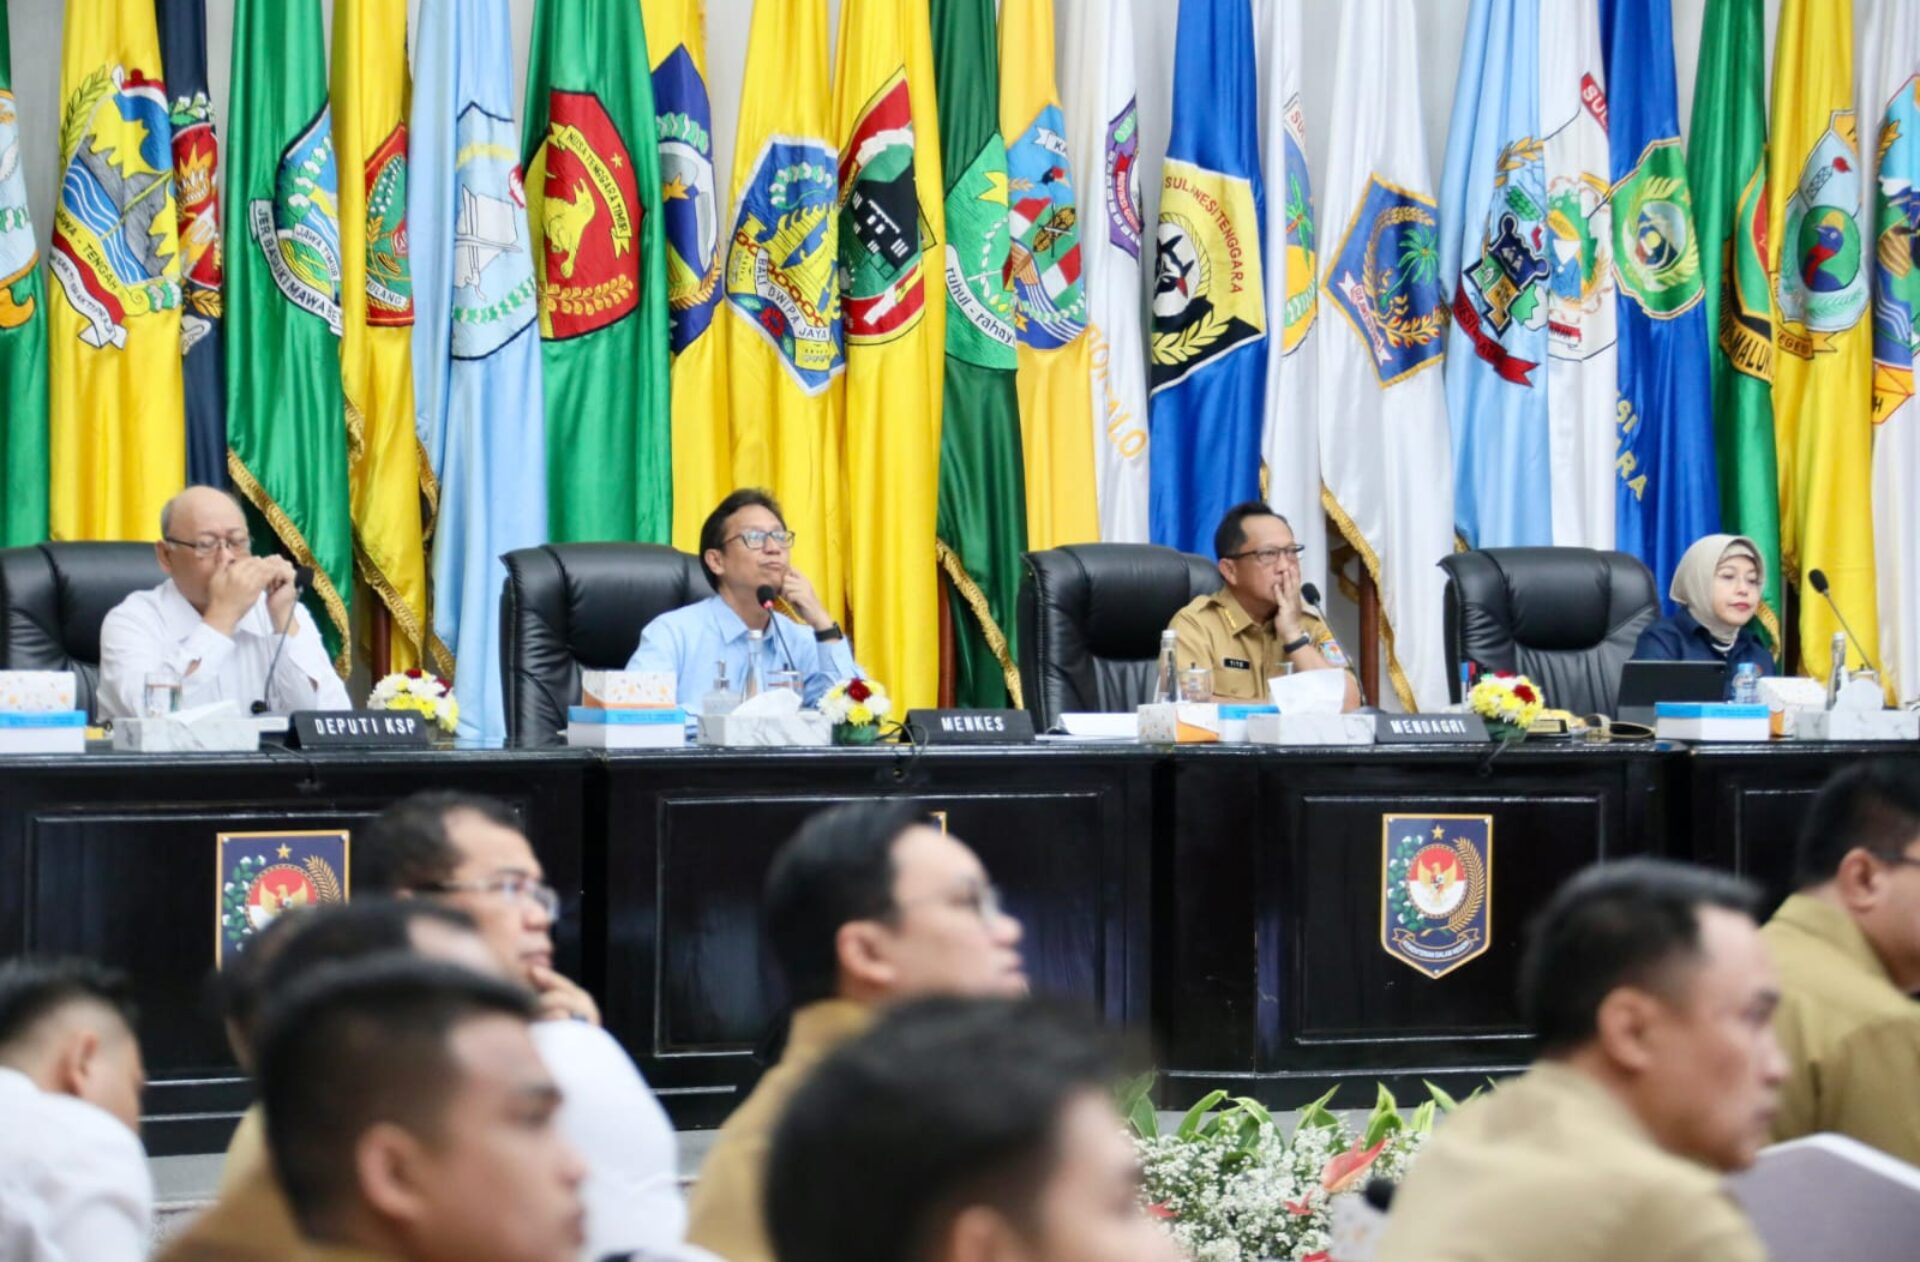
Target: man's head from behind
[[68, 1025], [961, 1131], [1860, 850], [745, 544], [409, 1114], [868, 901], [1653, 978]]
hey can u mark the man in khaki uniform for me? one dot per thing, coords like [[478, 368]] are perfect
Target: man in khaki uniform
[[1258, 622], [1653, 995], [1848, 945]]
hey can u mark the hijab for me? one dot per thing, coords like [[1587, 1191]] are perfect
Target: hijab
[[1693, 581]]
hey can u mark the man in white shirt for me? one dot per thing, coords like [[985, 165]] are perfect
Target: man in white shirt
[[74, 1183], [215, 623]]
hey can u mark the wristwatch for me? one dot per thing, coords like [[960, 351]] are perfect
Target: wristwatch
[[831, 634], [1294, 646]]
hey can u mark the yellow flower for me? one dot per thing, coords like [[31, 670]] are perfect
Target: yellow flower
[[859, 715]]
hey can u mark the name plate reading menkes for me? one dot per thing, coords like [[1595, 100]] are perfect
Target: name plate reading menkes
[[972, 727], [359, 729], [1428, 729]]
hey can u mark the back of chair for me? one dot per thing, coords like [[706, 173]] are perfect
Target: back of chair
[[53, 598], [1090, 622], [1567, 618], [580, 606]]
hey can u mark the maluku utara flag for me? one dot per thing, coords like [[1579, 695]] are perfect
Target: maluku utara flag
[[785, 353], [1667, 494], [1493, 260], [117, 447], [196, 194], [476, 345], [1727, 167], [892, 235], [23, 336], [983, 494], [1823, 346], [1209, 291], [599, 255], [695, 223], [286, 422]]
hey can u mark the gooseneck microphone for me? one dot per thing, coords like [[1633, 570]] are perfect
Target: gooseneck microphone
[[1819, 580], [1311, 596], [302, 576], [766, 596]]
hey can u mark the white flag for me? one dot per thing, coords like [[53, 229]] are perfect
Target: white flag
[[1385, 452], [1581, 391], [1097, 85], [1290, 434]]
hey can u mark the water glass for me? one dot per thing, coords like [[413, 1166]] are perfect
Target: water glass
[[1196, 683], [786, 681], [160, 695]]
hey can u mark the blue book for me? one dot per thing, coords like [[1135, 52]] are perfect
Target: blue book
[[52, 718], [626, 718]]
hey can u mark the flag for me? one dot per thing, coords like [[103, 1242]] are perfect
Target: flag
[[1890, 112], [117, 437], [1384, 444], [370, 92], [1209, 298], [599, 258], [286, 423], [983, 492], [784, 333], [1103, 138], [1727, 167], [1290, 430], [196, 194], [23, 336], [1667, 494], [476, 353], [892, 232], [694, 224], [1049, 289], [1823, 351], [1581, 317]]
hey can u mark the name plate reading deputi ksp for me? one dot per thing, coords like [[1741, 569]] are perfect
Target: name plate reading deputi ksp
[[359, 729], [972, 727], [1428, 729]]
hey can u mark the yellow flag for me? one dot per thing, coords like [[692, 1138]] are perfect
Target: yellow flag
[[892, 230], [1050, 295], [384, 462], [1823, 363], [117, 430]]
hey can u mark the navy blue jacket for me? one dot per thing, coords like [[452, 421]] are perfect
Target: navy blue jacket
[[1681, 638]]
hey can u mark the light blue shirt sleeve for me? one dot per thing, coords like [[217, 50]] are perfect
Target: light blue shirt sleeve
[[689, 643]]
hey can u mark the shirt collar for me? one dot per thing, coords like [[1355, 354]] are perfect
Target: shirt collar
[[1826, 923], [726, 622], [820, 1027]]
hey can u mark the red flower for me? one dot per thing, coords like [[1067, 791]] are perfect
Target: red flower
[[1300, 1208], [1322, 1256], [857, 690], [416, 673], [1159, 1210], [1526, 693], [1346, 1169], [1503, 674]]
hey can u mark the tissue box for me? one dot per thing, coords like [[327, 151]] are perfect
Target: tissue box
[[1702, 722], [219, 733], [655, 728], [36, 691], [1310, 729], [43, 732], [1233, 720], [628, 689], [809, 727], [1857, 725], [1179, 723]]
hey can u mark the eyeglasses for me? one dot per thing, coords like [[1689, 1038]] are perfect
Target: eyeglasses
[[982, 900], [757, 539], [513, 886], [239, 545], [1268, 556]]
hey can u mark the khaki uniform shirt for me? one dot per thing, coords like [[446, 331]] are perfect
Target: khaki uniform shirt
[[1552, 1166], [725, 1214], [251, 1220], [1215, 631], [1851, 1037]]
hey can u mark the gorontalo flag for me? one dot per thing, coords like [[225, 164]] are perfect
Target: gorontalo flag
[[696, 248], [983, 493], [1727, 167], [370, 95], [286, 423], [117, 436], [1823, 349], [599, 247], [782, 324], [1383, 410], [892, 235], [23, 337]]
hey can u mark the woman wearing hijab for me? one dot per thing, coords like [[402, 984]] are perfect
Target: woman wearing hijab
[[1717, 586]]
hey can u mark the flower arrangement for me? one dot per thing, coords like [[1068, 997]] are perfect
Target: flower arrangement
[[420, 691], [855, 707], [1508, 702]]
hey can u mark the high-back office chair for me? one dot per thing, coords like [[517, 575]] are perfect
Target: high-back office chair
[[53, 598]]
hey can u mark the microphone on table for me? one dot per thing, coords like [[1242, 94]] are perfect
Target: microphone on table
[[766, 596], [1310, 595], [302, 579], [1819, 580]]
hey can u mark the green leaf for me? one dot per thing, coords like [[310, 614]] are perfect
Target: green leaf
[[1316, 1114], [1422, 1123], [1446, 1102], [1385, 1118], [1190, 1125], [1144, 1120]]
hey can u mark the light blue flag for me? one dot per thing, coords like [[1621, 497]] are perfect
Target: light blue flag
[[476, 347], [1668, 490], [1494, 254]]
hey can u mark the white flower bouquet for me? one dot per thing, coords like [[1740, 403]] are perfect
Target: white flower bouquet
[[420, 691]]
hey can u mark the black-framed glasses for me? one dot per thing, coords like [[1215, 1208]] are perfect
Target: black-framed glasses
[[239, 545], [515, 887], [1267, 556], [757, 539]]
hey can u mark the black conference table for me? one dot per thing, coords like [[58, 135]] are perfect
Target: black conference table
[[1224, 901]]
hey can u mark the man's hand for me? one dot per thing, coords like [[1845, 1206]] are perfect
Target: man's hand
[[235, 589], [281, 590], [561, 1000], [1289, 615], [798, 592]]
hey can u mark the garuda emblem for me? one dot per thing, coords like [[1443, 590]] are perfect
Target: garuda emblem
[[1436, 898], [262, 876]]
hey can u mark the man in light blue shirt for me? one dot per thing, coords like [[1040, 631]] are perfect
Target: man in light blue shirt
[[746, 548]]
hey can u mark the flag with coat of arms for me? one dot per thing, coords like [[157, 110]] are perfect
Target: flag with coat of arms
[[23, 336]]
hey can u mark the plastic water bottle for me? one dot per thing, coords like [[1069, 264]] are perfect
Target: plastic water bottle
[[755, 684], [1746, 684], [1166, 685], [1837, 675], [719, 698]]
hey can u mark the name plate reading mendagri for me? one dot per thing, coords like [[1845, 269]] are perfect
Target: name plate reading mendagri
[[972, 727], [359, 729], [1428, 729]]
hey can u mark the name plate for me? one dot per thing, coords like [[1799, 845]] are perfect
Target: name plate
[[1428, 729], [972, 727], [359, 729]]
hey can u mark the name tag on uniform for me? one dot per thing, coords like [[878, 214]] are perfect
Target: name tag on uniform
[[1236, 663]]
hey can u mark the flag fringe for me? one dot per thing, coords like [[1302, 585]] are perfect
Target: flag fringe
[[1358, 542], [983, 613]]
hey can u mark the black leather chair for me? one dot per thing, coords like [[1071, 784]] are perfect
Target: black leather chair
[[53, 598], [1567, 618], [1090, 620], [579, 606]]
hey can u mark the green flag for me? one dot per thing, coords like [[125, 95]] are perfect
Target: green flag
[[1727, 169], [286, 422], [23, 337], [983, 516], [599, 256]]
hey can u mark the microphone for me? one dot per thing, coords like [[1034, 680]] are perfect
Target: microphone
[[302, 578], [766, 596], [1311, 595], [1818, 579]]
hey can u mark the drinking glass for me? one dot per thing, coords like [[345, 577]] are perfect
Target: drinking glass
[[160, 696], [1196, 683]]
